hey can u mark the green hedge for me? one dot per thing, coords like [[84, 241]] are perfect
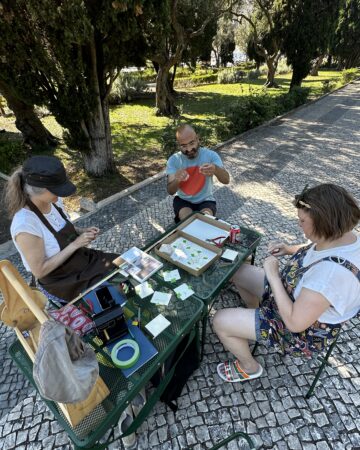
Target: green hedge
[[349, 75], [196, 80], [253, 110]]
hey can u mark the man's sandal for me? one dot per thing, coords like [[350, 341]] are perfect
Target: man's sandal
[[231, 372]]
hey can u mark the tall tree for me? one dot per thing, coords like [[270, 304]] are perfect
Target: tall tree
[[263, 40], [199, 48], [26, 120], [66, 55], [224, 42], [346, 43], [304, 28], [187, 19]]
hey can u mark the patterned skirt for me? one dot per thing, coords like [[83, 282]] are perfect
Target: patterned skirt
[[274, 333]]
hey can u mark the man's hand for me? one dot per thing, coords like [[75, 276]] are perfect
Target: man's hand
[[181, 175], [271, 267], [207, 169]]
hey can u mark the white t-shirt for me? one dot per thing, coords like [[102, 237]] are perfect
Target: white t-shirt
[[337, 284], [26, 221]]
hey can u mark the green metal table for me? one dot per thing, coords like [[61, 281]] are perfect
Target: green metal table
[[184, 317], [208, 285]]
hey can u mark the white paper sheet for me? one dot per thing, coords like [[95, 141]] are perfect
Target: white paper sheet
[[144, 289], [204, 231], [183, 291], [171, 275], [229, 255], [160, 298], [157, 325]]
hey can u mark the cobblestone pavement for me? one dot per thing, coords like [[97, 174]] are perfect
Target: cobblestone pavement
[[316, 143]]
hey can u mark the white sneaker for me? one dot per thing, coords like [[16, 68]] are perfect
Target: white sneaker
[[126, 419], [138, 402]]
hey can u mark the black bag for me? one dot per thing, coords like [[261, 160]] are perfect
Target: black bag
[[186, 356]]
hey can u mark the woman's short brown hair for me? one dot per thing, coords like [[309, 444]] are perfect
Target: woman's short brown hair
[[333, 210]]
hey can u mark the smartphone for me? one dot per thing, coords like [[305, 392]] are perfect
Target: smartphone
[[105, 298]]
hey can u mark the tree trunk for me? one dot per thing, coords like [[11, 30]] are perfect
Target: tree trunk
[[171, 81], [27, 122], [272, 63], [165, 102], [99, 159], [296, 79], [315, 68], [270, 78]]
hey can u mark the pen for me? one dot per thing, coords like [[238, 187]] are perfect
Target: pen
[[139, 316]]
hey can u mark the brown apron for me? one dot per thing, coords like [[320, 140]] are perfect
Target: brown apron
[[82, 269]]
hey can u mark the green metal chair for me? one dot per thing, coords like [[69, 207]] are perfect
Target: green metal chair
[[323, 359]]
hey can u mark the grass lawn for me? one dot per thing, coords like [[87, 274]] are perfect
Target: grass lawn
[[137, 132]]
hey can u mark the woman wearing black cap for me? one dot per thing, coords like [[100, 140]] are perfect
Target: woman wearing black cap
[[49, 244]]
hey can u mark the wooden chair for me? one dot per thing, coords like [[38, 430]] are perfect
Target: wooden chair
[[23, 310]]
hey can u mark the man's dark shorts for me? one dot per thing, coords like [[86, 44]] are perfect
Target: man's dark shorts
[[180, 203]]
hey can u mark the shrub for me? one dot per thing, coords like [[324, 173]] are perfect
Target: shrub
[[12, 154], [348, 75], [196, 80], [253, 74], [230, 76], [283, 67], [253, 110], [327, 86], [126, 86], [249, 112], [292, 99], [226, 77]]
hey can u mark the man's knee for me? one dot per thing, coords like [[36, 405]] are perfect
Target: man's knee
[[184, 212], [207, 211]]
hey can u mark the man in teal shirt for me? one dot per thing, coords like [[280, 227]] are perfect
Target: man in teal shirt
[[190, 175]]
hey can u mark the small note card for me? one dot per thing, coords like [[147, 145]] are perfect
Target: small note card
[[160, 298], [144, 289], [171, 275], [157, 325], [229, 255], [183, 291]]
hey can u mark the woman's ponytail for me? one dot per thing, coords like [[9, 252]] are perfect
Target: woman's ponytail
[[15, 195]]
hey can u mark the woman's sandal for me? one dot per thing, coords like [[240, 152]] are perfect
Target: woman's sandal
[[231, 372]]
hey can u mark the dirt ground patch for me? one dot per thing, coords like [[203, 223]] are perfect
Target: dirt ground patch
[[131, 169]]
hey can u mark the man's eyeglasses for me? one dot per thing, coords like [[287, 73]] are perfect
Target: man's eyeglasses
[[189, 144]]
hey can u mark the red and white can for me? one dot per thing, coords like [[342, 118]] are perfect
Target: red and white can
[[234, 234]]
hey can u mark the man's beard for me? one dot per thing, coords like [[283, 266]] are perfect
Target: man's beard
[[192, 154]]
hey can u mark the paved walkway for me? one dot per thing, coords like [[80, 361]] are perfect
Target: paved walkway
[[318, 143]]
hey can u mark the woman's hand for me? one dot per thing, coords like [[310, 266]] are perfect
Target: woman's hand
[[84, 239], [271, 267], [279, 249], [93, 231]]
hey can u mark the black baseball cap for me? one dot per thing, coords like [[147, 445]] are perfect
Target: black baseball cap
[[48, 172]]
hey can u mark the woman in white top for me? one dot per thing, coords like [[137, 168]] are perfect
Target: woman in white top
[[49, 244], [302, 307]]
